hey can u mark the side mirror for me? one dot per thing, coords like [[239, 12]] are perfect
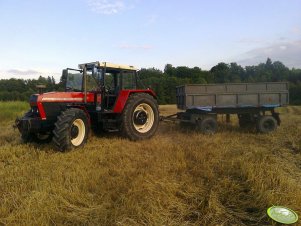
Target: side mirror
[[64, 74]]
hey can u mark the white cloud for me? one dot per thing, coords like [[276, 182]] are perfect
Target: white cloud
[[109, 7], [288, 52], [283, 47], [296, 30], [23, 72], [28, 73], [252, 41]]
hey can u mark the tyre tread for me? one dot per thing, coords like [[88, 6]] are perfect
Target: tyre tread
[[61, 137], [126, 126]]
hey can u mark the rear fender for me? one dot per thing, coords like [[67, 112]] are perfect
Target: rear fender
[[125, 94]]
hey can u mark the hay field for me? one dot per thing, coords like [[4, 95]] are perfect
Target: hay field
[[176, 178]]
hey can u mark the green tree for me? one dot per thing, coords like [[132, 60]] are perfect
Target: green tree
[[220, 73]]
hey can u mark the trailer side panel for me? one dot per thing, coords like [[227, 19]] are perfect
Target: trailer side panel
[[233, 95]]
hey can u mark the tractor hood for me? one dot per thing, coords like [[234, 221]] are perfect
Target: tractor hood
[[56, 97], [48, 102], [60, 97]]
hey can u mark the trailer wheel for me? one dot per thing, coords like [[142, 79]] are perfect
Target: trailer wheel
[[208, 125], [71, 129], [266, 124], [140, 118]]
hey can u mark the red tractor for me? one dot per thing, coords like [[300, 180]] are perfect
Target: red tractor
[[102, 96]]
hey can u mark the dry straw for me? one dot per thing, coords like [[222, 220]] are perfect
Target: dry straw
[[176, 178]]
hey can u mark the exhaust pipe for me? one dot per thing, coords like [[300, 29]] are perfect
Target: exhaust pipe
[[40, 88]]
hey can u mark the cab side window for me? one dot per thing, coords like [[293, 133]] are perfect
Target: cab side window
[[128, 80], [91, 84]]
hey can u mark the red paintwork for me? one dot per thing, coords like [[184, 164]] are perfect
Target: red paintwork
[[62, 97], [124, 95], [78, 97]]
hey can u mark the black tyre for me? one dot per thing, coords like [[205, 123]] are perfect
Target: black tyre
[[140, 117], [207, 125], [266, 124], [71, 130]]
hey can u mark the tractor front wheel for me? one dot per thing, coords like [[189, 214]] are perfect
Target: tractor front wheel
[[140, 117], [71, 129]]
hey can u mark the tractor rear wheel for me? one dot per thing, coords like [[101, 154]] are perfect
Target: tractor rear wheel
[[140, 118], [71, 129]]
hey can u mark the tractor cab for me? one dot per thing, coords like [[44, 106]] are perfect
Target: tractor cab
[[104, 81]]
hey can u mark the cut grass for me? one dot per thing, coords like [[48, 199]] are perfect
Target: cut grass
[[175, 178]]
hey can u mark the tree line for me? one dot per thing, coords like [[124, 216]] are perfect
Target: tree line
[[164, 82]]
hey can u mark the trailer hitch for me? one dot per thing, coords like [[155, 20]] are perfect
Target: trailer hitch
[[173, 117]]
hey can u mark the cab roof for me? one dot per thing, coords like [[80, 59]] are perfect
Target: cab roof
[[108, 65]]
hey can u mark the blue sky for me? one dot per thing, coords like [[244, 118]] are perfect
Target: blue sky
[[40, 37]]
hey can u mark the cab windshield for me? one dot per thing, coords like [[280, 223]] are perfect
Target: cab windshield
[[74, 80]]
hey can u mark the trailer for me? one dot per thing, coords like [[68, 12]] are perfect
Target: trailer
[[253, 103]]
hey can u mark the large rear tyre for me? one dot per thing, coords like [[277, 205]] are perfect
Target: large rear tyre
[[266, 124], [71, 130], [140, 118]]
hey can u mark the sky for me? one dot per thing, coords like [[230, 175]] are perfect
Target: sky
[[40, 37]]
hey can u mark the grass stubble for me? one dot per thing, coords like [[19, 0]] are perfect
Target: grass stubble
[[176, 178]]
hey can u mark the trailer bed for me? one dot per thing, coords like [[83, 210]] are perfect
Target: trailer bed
[[232, 95]]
